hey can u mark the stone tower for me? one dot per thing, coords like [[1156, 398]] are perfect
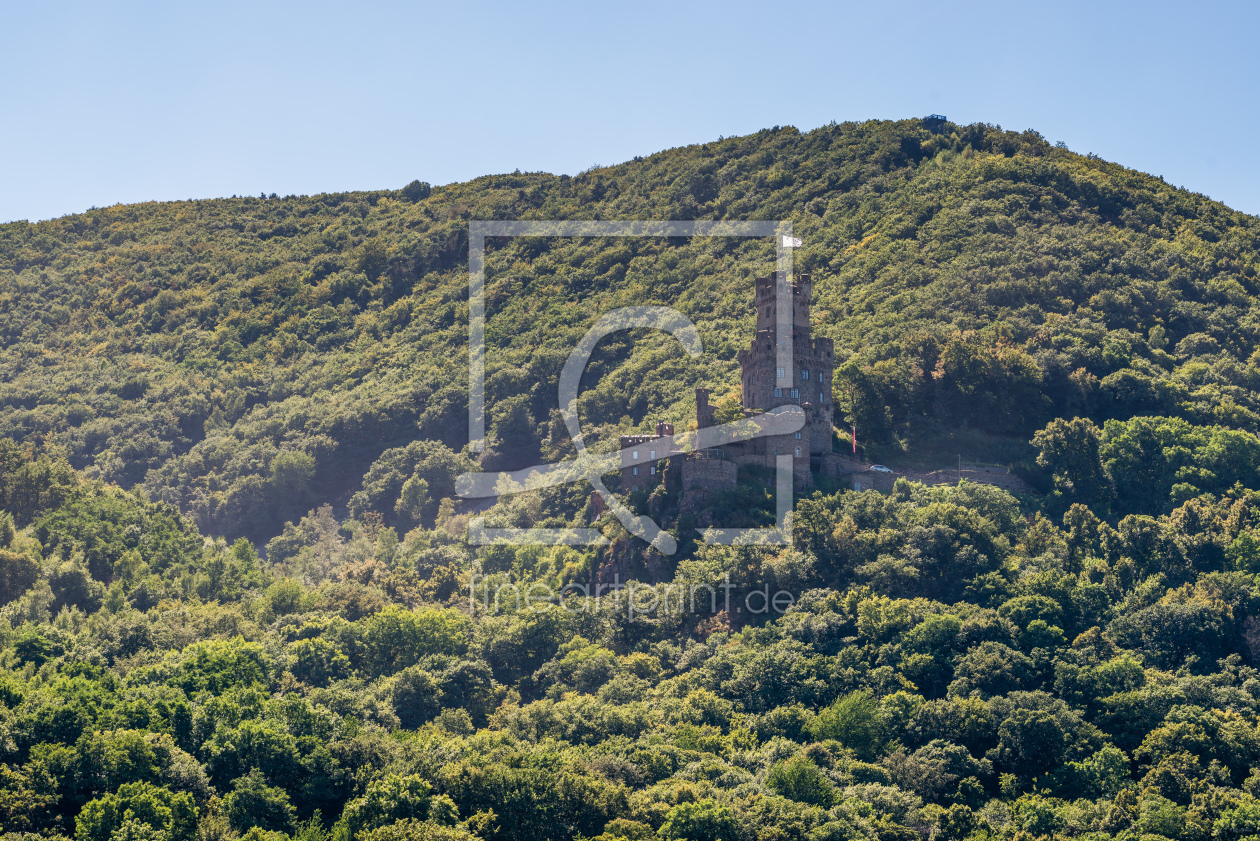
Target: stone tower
[[808, 382]]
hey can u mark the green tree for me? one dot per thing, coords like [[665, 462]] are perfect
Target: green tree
[[1030, 742], [415, 697], [703, 820], [253, 803], [171, 814], [396, 637], [386, 801], [412, 502], [1069, 450], [18, 573], [801, 780], [317, 662], [853, 720]]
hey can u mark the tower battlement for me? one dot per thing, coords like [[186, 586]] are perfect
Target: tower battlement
[[767, 302]]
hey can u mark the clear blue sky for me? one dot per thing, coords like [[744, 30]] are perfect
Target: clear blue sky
[[126, 102]]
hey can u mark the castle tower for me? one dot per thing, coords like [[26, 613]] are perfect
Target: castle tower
[[704, 409], [808, 382]]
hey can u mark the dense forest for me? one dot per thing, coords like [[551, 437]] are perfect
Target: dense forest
[[237, 597]]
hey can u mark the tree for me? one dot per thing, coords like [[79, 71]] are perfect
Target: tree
[[253, 803], [292, 473], [854, 721], [372, 259], [412, 830], [8, 530], [18, 573], [1030, 742], [416, 191], [413, 502], [801, 780], [386, 801], [415, 697], [173, 815], [317, 662], [396, 638], [218, 665], [703, 820], [1069, 450], [285, 596]]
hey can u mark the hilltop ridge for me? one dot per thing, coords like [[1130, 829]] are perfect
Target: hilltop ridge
[[248, 358]]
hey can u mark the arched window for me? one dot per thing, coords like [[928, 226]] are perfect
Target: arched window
[[798, 452]]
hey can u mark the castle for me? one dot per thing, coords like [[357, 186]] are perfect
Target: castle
[[647, 459]]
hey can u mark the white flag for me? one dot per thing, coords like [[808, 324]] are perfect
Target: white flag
[[792, 242]]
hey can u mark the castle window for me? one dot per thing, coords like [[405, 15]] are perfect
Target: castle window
[[805, 374], [778, 392], [820, 376], [778, 372], [635, 455], [820, 397], [653, 454], [798, 436], [796, 394], [652, 470], [798, 452], [634, 471]]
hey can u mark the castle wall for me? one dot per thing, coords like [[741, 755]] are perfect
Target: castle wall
[[708, 474], [643, 456]]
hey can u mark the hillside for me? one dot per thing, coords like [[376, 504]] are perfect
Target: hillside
[[978, 280], [237, 599]]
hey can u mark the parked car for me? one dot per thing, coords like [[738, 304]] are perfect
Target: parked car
[[879, 468]]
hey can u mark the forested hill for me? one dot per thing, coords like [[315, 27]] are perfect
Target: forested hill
[[248, 358], [182, 382]]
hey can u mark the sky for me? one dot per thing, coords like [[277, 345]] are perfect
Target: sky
[[129, 102]]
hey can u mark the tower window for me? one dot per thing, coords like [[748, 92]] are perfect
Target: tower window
[[778, 392], [805, 374], [778, 372], [796, 394], [798, 452], [820, 377], [798, 436]]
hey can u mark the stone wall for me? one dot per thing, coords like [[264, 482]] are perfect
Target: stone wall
[[708, 474]]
